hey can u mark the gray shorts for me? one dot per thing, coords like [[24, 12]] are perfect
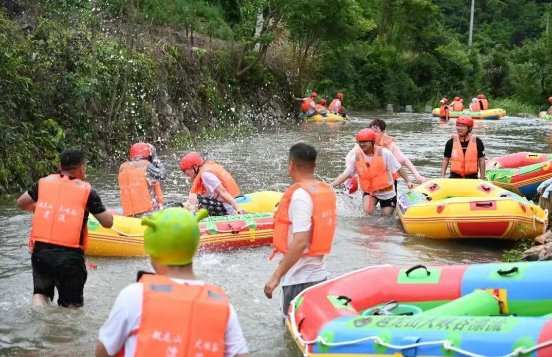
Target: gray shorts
[[291, 291]]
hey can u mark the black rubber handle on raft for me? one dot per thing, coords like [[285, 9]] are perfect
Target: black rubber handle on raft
[[507, 272], [484, 204], [347, 299], [419, 266], [485, 188]]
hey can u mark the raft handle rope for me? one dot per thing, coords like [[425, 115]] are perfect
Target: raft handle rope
[[419, 266], [447, 345], [507, 272]]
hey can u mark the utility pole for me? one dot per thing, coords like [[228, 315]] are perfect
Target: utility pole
[[470, 39]]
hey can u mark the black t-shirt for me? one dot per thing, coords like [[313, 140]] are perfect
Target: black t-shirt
[[478, 142], [94, 205]]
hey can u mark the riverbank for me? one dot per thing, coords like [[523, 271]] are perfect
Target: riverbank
[[67, 85]]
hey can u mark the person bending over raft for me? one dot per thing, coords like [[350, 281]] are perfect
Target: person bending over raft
[[213, 187], [549, 111], [321, 108], [61, 203], [308, 105], [444, 110], [171, 313], [483, 102], [140, 180], [377, 170], [336, 106], [475, 105], [457, 105], [466, 152], [304, 228]]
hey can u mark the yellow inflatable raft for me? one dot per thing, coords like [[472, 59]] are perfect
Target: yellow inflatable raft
[[489, 114], [456, 208], [125, 238], [327, 118]]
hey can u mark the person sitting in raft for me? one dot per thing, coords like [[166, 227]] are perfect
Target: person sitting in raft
[[483, 101], [213, 187], [168, 313], [336, 106], [466, 152], [321, 107], [308, 105], [444, 110], [140, 180], [475, 105], [457, 105], [377, 170], [304, 228]]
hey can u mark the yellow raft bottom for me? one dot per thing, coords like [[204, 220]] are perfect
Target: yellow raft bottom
[[328, 118]]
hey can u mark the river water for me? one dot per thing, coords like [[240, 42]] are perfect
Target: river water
[[258, 162]]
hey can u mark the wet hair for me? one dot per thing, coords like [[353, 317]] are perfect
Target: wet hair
[[378, 123], [71, 159], [303, 156]]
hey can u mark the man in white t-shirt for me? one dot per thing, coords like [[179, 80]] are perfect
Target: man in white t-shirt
[[213, 188], [377, 179], [149, 317], [302, 243]]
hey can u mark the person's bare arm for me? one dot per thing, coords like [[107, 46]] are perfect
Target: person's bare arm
[[482, 168], [228, 198], [100, 350], [105, 218], [26, 203], [339, 180], [444, 166], [295, 252]]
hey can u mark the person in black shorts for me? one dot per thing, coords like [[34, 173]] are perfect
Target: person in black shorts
[[61, 204], [465, 152]]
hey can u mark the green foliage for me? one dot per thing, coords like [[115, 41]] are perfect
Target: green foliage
[[516, 253]]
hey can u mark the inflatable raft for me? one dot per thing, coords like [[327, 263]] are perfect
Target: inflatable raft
[[521, 173], [456, 208], [327, 118], [125, 238], [489, 114], [467, 310], [545, 116]]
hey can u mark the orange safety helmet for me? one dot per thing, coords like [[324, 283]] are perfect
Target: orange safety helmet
[[366, 135], [140, 150], [465, 119], [480, 96], [339, 95], [550, 99], [189, 160], [322, 101], [457, 98], [313, 94]]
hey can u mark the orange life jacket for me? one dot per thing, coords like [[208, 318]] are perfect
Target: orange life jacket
[[457, 106], [475, 107], [485, 104], [181, 320], [335, 106], [224, 176], [443, 110], [59, 213], [134, 188], [306, 106], [324, 218], [386, 141], [464, 164], [373, 177]]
